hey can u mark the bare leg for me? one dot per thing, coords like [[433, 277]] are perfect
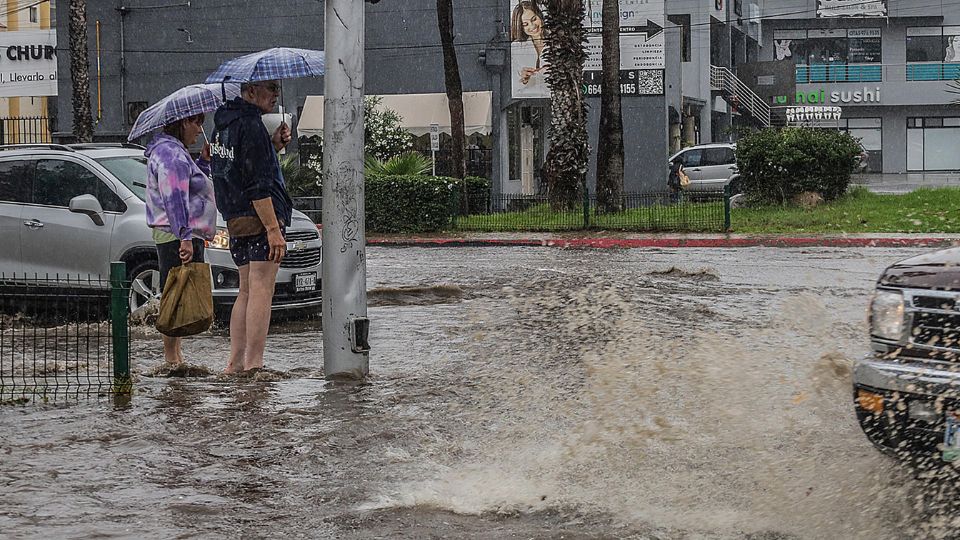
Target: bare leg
[[263, 278], [171, 350], [238, 323]]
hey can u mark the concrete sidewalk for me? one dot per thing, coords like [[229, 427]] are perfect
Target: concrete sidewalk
[[905, 183], [615, 240]]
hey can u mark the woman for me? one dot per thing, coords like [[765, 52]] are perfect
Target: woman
[[180, 204], [673, 180], [527, 26]]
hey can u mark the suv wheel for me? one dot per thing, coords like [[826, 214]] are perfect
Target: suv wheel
[[144, 284]]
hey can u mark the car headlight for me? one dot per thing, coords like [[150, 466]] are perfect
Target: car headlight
[[221, 240], [886, 315]]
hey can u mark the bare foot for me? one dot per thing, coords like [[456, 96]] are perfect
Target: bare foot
[[233, 369]]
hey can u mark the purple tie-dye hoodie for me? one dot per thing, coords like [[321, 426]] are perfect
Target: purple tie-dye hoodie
[[179, 191]]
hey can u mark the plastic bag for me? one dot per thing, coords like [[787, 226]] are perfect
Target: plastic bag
[[186, 305]]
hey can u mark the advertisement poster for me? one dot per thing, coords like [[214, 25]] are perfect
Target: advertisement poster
[[851, 8], [641, 47], [28, 63]]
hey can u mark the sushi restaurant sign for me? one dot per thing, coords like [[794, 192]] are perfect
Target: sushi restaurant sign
[[823, 96]]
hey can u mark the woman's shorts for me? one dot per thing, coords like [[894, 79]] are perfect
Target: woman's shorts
[[168, 254]]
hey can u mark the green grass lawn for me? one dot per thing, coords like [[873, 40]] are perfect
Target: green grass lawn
[[860, 211], [692, 217]]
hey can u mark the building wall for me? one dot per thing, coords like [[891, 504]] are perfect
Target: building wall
[[901, 98]]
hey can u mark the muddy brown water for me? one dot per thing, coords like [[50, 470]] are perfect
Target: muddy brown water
[[515, 393]]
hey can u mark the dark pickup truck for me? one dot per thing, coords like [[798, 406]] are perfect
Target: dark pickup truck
[[907, 392]]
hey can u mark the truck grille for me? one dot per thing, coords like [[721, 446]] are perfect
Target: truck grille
[[935, 321]]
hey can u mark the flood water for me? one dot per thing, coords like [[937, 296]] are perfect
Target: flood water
[[514, 393]]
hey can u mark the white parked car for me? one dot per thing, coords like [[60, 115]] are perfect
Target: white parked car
[[710, 167], [70, 210]]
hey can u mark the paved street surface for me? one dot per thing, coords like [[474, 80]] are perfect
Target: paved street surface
[[515, 393]]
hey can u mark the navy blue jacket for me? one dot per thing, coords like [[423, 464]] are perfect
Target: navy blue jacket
[[245, 165]]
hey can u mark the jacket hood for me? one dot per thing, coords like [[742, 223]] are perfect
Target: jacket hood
[[162, 140], [232, 111]]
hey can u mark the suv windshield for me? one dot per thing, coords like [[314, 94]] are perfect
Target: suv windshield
[[131, 170]]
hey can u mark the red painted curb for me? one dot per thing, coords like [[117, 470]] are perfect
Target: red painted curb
[[668, 242]]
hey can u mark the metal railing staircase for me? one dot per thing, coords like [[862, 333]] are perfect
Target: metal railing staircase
[[738, 94]]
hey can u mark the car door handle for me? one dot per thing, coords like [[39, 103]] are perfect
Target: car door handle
[[33, 224]]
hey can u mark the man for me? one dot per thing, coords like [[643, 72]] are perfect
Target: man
[[252, 197]]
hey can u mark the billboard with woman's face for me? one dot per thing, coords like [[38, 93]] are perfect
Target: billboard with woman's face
[[528, 41]]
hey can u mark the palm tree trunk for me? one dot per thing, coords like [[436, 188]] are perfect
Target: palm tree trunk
[[610, 142], [454, 86], [565, 167], [80, 72]]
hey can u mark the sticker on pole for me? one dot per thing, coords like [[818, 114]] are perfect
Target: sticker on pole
[[434, 137]]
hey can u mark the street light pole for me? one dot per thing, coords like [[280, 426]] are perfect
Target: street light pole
[[345, 323]]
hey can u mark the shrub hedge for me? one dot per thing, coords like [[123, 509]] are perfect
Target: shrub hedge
[[776, 165], [418, 204]]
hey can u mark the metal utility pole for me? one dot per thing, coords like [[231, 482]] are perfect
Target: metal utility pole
[[345, 324]]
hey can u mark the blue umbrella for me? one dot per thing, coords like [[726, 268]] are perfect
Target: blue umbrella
[[184, 103], [272, 64], [277, 64]]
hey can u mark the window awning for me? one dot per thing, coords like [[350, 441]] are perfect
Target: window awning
[[417, 112]]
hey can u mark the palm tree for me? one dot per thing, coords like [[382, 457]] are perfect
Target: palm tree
[[80, 72], [610, 142], [565, 167], [451, 70]]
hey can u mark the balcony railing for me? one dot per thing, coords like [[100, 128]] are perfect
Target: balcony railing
[[868, 73], [933, 71], [815, 73]]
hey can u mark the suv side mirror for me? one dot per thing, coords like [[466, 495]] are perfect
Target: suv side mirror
[[89, 205]]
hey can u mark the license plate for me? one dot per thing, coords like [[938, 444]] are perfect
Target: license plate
[[305, 282], [951, 437]]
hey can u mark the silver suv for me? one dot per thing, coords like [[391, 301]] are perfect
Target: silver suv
[[710, 167], [72, 209]]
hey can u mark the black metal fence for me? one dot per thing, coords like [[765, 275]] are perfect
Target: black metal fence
[[26, 130], [63, 335], [648, 212]]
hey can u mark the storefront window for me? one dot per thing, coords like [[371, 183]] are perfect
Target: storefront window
[[836, 55], [933, 53], [932, 144]]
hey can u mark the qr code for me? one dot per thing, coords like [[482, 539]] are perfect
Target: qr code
[[650, 82]]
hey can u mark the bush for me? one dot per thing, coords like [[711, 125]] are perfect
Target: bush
[[410, 163], [383, 136], [776, 165], [300, 179], [405, 204], [418, 204]]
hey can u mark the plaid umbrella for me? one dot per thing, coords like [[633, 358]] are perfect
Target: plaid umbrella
[[184, 103], [272, 64]]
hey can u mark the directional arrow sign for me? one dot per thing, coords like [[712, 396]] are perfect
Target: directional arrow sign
[[652, 30]]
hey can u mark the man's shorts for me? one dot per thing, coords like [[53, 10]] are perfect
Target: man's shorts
[[247, 249]]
